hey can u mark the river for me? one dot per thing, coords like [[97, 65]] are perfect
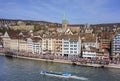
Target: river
[[15, 69]]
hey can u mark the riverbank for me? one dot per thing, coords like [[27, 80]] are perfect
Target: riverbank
[[117, 66], [63, 62], [74, 63], [112, 66]]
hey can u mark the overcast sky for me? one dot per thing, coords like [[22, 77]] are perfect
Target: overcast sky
[[76, 11]]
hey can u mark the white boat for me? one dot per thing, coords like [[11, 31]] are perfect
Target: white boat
[[57, 74]]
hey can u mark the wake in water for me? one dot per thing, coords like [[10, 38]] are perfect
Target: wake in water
[[80, 78], [63, 75]]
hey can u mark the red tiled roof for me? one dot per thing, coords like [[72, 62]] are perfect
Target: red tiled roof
[[13, 34]]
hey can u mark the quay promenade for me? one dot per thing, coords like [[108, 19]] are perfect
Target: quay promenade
[[72, 60]]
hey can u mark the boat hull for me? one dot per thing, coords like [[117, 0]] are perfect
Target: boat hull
[[56, 74]]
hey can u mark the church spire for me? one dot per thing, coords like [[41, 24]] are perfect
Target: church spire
[[64, 18], [64, 22]]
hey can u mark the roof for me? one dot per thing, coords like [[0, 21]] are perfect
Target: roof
[[13, 34], [70, 36], [89, 37], [106, 25], [106, 35], [36, 39]]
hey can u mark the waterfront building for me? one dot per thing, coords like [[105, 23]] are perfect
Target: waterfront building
[[14, 45], [29, 45], [6, 41], [10, 41], [34, 45], [23, 35], [22, 45], [58, 46], [71, 44], [89, 54], [87, 49], [48, 45], [89, 45], [15, 41], [105, 39], [116, 46]]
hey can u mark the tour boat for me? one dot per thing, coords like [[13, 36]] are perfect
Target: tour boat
[[57, 74]]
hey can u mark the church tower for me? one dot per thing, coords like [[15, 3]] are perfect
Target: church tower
[[64, 23]]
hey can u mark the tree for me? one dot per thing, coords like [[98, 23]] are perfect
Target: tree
[[37, 27]]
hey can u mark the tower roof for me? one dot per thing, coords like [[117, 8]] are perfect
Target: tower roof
[[64, 20]]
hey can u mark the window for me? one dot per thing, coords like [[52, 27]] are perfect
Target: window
[[66, 48], [71, 48], [66, 42], [71, 51], [75, 42], [66, 45], [71, 42], [65, 39], [75, 48], [75, 45], [75, 51]]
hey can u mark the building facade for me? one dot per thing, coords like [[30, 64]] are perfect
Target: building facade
[[6, 41], [22, 45], [58, 46], [116, 46], [34, 45], [90, 54], [48, 45], [71, 45]]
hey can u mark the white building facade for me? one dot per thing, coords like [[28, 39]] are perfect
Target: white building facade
[[34, 45], [89, 54], [89, 49], [87, 45], [71, 46], [116, 46]]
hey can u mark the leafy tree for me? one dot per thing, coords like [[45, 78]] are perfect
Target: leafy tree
[[37, 27]]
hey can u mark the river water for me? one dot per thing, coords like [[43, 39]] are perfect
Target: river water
[[15, 69]]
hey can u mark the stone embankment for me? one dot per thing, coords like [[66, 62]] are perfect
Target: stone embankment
[[69, 62]]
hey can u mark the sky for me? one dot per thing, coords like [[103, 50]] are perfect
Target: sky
[[75, 11]]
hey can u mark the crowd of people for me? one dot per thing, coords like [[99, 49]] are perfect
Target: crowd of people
[[75, 59]]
